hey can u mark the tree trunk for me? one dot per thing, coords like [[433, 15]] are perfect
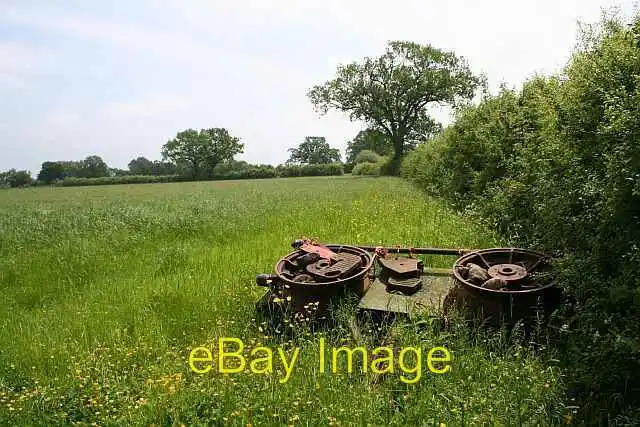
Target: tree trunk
[[196, 170], [398, 148]]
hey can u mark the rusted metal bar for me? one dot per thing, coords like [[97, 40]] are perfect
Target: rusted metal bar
[[419, 251]]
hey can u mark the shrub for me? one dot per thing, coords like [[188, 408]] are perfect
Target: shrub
[[348, 167], [372, 169], [112, 180], [310, 170], [238, 170], [248, 172], [367, 156], [13, 178]]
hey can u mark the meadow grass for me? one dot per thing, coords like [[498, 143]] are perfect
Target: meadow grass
[[105, 290]]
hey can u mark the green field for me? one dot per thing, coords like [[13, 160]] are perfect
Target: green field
[[105, 290]]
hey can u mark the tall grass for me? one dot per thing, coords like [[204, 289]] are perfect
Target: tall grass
[[105, 290]]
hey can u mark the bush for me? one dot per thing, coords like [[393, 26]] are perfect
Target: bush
[[248, 172], [368, 156], [371, 169], [377, 168], [310, 170], [237, 170], [13, 178], [556, 166], [348, 167], [112, 180]]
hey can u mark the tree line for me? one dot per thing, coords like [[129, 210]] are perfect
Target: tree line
[[204, 154], [390, 94]]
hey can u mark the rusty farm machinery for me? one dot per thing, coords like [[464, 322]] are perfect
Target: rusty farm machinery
[[497, 285]]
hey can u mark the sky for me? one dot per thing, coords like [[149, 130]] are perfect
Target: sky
[[119, 78]]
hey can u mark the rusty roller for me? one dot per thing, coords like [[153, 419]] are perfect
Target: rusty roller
[[504, 284]]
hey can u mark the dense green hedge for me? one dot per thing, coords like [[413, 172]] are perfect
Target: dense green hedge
[[370, 163], [367, 168], [249, 172], [246, 172], [310, 170], [368, 156], [125, 179], [556, 166]]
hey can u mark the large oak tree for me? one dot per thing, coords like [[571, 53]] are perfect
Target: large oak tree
[[391, 93], [202, 149], [314, 150]]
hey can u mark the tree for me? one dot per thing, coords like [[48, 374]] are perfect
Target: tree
[[118, 172], [203, 149], [93, 167], [71, 168], [51, 172], [368, 139], [144, 166], [141, 166], [422, 131], [163, 168], [224, 168], [314, 150], [392, 92], [14, 178]]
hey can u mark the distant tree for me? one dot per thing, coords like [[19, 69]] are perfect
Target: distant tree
[[164, 168], [422, 131], [368, 139], [314, 150], [224, 168], [203, 149], [51, 172], [144, 166], [13, 178], [93, 167], [141, 166], [71, 168], [392, 92], [118, 172]]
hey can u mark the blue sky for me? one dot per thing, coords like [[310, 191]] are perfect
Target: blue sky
[[118, 79]]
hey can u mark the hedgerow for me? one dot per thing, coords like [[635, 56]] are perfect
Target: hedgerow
[[248, 172], [556, 166], [310, 170]]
